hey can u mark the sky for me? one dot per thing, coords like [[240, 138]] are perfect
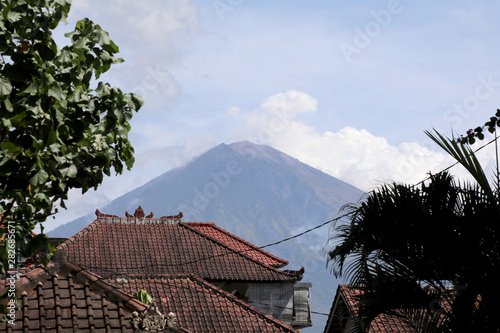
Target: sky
[[346, 87]]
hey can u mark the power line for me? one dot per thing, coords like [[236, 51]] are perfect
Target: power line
[[231, 251], [451, 166]]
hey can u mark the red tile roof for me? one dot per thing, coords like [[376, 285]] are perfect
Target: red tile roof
[[232, 241], [383, 323], [67, 298], [113, 246], [202, 307]]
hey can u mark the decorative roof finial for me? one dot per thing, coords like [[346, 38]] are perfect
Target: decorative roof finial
[[139, 213]]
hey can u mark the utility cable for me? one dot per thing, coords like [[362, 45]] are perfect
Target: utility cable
[[451, 166], [231, 251]]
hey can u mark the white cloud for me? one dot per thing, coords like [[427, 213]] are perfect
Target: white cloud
[[352, 155], [289, 103], [232, 111]]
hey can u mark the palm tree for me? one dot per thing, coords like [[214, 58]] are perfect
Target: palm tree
[[428, 253]]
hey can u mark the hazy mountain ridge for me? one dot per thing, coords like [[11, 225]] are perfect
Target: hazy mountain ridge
[[255, 192]]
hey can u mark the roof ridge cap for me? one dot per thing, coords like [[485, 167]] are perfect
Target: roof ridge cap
[[81, 233], [139, 276], [269, 267], [255, 247], [82, 275]]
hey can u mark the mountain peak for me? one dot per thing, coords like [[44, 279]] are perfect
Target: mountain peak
[[250, 150]]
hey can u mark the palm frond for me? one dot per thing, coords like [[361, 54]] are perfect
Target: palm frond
[[465, 156]]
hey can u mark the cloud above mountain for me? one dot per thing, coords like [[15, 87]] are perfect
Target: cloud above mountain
[[351, 154]]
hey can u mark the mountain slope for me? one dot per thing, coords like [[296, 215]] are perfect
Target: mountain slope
[[255, 192]]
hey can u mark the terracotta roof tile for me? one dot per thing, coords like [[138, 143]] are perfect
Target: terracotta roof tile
[[62, 298], [202, 307], [124, 246], [232, 241]]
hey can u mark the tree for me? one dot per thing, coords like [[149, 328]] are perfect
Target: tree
[[428, 253], [60, 128]]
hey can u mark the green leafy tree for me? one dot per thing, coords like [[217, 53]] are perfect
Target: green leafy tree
[[60, 127], [427, 253]]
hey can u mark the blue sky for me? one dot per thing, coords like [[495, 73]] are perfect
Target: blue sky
[[347, 87]]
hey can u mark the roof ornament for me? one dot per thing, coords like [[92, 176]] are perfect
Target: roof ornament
[[101, 215], [174, 217], [153, 320], [139, 213]]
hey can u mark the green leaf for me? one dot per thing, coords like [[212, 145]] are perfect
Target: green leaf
[[69, 172], [5, 86], [32, 89], [52, 138], [130, 162], [101, 37], [134, 101], [47, 80], [39, 178], [13, 16], [144, 297], [112, 47], [6, 122], [8, 105], [65, 57], [57, 93]]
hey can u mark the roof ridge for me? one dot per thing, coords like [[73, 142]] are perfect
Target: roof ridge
[[289, 273], [99, 284], [80, 234], [254, 247]]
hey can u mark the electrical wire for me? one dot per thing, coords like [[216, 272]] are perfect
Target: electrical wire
[[231, 251], [451, 166]]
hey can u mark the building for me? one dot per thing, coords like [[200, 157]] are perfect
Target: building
[[139, 250]]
